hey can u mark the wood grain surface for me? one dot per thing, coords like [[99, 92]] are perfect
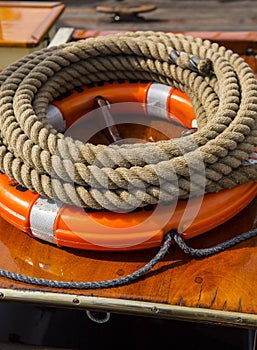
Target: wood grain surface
[[218, 289], [170, 15], [25, 24], [223, 282]]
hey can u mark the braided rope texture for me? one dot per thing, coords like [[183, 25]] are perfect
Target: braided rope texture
[[222, 89]]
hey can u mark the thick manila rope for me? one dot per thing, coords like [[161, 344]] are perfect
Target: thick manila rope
[[219, 83]]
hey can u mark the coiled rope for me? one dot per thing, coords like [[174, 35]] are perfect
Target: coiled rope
[[220, 84], [223, 92]]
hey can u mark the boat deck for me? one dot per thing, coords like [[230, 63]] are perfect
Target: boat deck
[[219, 290], [170, 15]]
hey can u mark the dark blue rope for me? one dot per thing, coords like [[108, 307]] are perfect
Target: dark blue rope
[[169, 237]]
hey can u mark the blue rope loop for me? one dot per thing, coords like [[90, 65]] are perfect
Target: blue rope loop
[[171, 236], [203, 252], [97, 284]]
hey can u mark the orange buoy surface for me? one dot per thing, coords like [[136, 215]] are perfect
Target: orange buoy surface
[[70, 226]]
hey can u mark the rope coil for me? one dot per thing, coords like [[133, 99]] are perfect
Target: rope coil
[[220, 84]]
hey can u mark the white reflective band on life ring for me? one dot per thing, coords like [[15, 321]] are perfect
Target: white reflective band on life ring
[[251, 160], [55, 118], [156, 102], [194, 123], [73, 227], [42, 217]]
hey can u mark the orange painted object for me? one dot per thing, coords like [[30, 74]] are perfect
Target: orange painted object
[[26, 23], [26, 26], [144, 229], [15, 203], [71, 226], [102, 230], [82, 101]]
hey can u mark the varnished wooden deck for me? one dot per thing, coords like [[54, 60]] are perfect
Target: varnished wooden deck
[[220, 289], [170, 15]]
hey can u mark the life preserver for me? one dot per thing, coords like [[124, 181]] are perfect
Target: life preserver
[[151, 97], [70, 226]]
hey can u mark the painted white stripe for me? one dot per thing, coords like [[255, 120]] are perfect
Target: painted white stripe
[[42, 218], [62, 36]]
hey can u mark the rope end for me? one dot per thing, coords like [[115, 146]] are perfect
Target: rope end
[[192, 62]]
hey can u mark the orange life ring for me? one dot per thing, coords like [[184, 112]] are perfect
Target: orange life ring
[[70, 226], [63, 113]]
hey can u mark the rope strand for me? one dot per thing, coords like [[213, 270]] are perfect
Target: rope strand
[[200, 253], [111, 283], [220, 84], [93, 285]]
